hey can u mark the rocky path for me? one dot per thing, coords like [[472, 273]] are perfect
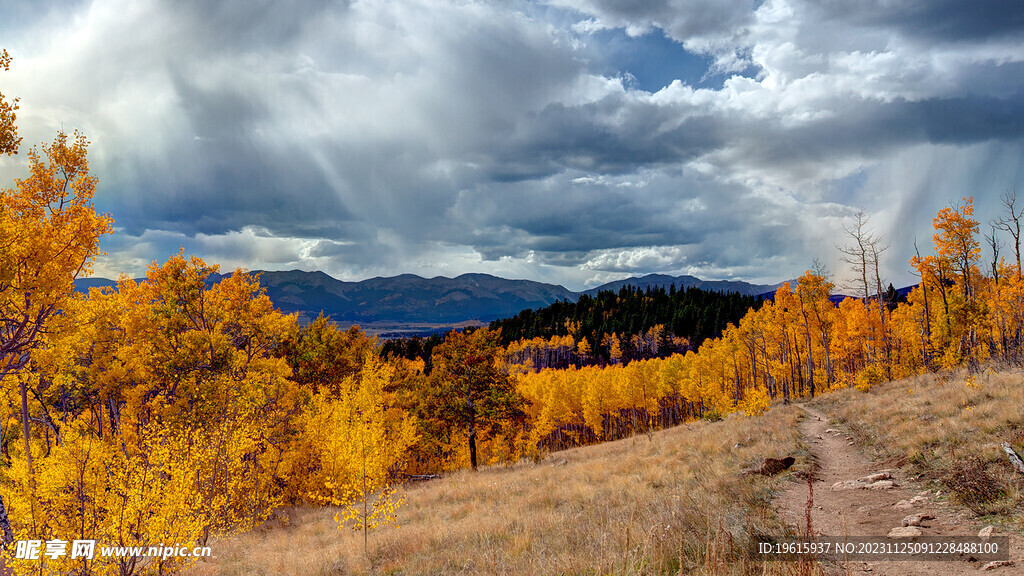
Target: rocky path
[[856, 498]]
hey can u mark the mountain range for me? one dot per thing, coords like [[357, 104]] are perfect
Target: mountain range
[[438, 301]]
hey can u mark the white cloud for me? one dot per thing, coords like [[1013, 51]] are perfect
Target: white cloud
[[640, 259]]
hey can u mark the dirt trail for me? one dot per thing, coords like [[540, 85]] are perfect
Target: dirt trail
[[858, 511]]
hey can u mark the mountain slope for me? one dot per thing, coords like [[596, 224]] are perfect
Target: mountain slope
[[439, 300], [408, 298], [680, 282]]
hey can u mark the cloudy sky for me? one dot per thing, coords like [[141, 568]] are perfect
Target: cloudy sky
[[569, 141]]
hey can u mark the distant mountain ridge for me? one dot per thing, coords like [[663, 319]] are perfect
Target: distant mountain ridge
[[408, 298], [665, 281]]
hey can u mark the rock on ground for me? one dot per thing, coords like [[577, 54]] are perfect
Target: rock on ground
[[905, 532], [916, 519]]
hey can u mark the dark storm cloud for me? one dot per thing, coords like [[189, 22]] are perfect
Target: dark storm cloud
[[243, 25], [613, 136], [372, 137], [225, 111], [657, 223], [584, 215], [873, 129], [971, 119], [226, 176], [943, 20]]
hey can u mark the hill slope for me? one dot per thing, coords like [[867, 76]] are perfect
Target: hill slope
[[674, 502]]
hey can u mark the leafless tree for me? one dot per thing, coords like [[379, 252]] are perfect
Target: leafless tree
[[994, 244], [1010, 223], [863, 254]]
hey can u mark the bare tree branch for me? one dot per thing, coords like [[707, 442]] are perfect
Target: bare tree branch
[[1010, 223]]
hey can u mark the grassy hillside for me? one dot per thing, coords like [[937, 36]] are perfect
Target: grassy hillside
[[660, 504], [675, 501]]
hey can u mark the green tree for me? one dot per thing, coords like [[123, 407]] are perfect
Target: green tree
[[470, 389], [322, 355]]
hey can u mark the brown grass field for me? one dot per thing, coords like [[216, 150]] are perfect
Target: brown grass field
[[673, 502], [668, 503]]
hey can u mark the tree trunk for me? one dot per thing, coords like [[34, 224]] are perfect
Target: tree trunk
[[810, 364], [25, 430], [472, 445], [1015, 460], [5, 524]]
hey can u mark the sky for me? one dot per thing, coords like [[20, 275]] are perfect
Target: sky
[[565, 141]]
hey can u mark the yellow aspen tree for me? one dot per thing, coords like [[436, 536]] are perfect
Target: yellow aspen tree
[[174, 382], [1005, 302], [583, 350], [955, 242], [614, 348], [785, 319], [49, 236], [912, 322], [755, 403], [541, 403], [848, 344], [749, 333], [813, 290], [594, 401], [376, 443]]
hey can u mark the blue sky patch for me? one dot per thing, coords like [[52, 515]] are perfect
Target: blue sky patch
[[653, 59]]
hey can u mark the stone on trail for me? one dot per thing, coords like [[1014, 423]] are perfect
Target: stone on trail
[[905, 532], [881, 485], [986, 533], [848, 485], [997, 564], [875, 477], [916, 519], [908, 504]]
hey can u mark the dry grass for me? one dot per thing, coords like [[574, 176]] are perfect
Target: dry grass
[[974, 486], [946, 428], [674, 502]]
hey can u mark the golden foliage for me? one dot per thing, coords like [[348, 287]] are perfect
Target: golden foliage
[[49, 235], [9, 139], [352, 444]]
